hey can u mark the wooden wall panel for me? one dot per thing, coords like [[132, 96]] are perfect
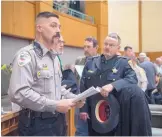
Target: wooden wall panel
[[99, 10], [24, 19], [18, 19], [71, 122], [75, 30], [102, 33], [7, 16], [93, 8], [154, 55]]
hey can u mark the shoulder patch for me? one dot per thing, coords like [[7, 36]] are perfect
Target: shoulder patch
[[24, 58]]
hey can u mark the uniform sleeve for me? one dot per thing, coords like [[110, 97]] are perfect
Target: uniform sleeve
[[66, 93], [129, 77], [83, 88], [155, 70], [20, 89]]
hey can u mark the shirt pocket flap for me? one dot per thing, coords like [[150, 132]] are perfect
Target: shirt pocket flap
[[44, 74]]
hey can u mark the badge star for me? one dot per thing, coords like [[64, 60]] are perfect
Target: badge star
[[90, 71], [114, 70]]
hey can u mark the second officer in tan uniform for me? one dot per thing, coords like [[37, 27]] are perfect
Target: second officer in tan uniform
[[35, 83]]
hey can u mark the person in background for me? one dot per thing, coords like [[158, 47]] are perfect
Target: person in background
[[158, 66], [90, 50], [158, 93], [142, 57], [151, 74], [140, 72], [128, 51]]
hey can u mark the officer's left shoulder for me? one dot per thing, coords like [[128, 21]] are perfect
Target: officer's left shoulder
[[123, 57], [23, 58], [125, 60], [92, 58]]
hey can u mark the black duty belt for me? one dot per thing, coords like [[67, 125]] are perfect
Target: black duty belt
[[31, 113]]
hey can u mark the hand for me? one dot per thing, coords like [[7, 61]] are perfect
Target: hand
[[84, 116], [80, 104], [106, 90], [64, 105], [63, 87]]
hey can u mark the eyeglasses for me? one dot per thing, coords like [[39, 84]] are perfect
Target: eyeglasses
[[110, 45]]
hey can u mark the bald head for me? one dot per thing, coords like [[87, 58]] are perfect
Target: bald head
[[158, 61], [161, 57]]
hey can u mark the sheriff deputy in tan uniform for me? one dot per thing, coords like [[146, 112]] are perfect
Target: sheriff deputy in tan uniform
[[35, 83]]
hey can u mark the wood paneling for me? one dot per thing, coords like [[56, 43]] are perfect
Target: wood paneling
[[71, 122], [7, 16], [93, 8], [18, 19], [154, 55], [99, 10], [45, 7], [75, 30], [9, 123], [102, 33], [24, 19], [50, 2]]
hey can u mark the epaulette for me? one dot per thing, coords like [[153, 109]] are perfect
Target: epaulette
[[123, 57], [92, 57]]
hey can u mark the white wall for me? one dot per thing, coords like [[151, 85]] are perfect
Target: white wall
[[151, 26], [123, 19], [71, 54], [9, 46]]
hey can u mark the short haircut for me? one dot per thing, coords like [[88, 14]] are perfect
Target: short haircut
[[115, 36], [93, 40], [127, 47], [46, 14]]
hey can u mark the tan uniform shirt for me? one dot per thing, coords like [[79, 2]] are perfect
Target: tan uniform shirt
[[36, 79], [141, 76]]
